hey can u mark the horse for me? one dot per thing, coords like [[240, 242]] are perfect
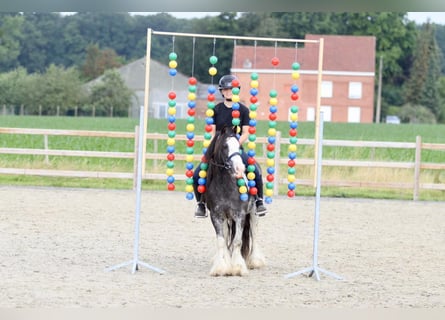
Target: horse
[[234, 220]]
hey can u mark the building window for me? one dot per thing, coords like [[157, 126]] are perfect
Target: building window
[[355, 90], [327, 113], [326, 89], [310, 114], [354, 114]]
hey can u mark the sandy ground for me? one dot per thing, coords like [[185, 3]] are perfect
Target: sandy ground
[[57, 243]]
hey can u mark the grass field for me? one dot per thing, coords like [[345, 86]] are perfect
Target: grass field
[[337, 131]]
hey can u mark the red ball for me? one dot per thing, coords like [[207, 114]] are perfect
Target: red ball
[[253, 191], [171, 126], [293, 132], [235, 83], [291, 193], [189, 173], [252, 130], [294, 96], [201, 188], [253, 99], [273, 116], [191, 112], [171, 95], [270, 147], [192, 80], [204, 159], [190, 143], [211, 97], [170, 157], [251, 160], [275, 61], [235, 113], [291, 163], [208, 128], [171, 187], [270, 177]]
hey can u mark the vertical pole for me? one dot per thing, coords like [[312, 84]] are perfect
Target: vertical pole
[[379, 92], [277, 163], [418, 159], [45, 143], [318, 106], [146, 100]]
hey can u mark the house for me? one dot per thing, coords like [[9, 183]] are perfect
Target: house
[[348, 75]]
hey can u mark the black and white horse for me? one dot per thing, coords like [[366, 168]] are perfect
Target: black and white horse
[[233, 219]]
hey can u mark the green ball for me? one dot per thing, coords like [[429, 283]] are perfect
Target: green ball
[[204, 166], [293, 140], [294, 109], [291, 170], [207, 136], [192, 88], [189, 150], [213, 60], [235, 90], [252, 137], [171, 134], [172, 56], [170, 164], [191, 120], [254, 76], [236, 122], [251, 168], [271, 155], [253, 107], [269, 185], [295, 66], [273, 93], [241, 182], [172, 103], [272, 124]]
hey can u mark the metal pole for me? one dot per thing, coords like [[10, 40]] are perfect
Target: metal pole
[[318, 105], [315, 269]]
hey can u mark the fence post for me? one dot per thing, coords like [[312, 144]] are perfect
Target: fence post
[[136, 148], [417, 162], [45, 143], [58, 110], [40, 110]]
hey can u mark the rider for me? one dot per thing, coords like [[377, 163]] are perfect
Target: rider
[[223, 117]]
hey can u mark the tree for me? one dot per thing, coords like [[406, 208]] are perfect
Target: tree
[[10, 37], [97, 61], [111, 97], [422, 87]]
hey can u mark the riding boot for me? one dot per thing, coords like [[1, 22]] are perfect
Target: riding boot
[[200, 211]]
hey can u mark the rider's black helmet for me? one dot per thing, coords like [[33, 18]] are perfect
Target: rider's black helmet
[[226, 81]]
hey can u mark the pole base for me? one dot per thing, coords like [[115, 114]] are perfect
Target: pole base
[[135, 266], [314, 270]]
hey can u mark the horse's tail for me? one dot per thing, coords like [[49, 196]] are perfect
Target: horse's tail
[[245, 247]]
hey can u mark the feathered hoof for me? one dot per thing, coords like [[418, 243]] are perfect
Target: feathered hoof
[[220, 269], [240, 270], [256, 262]]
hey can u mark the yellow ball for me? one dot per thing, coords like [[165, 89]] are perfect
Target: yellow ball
[[189, 158], [171, 111], [213, 71], [171, 141], [251, 175], [251, 145], [191, 96], [242, 189], [190, 127], [202, 174], [170, 172], [292, 148], [173, 64], [189, 188], [294, 117], [291, 178], [210, 112], [206, 143], [295, 75], [273, 101], [269, 192], [235, 98], [270, 162], [254, 84], [272, 132], [252, 114]]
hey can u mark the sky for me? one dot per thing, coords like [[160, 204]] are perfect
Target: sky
[[418, 17]]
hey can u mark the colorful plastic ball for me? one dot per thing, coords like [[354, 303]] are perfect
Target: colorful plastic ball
[[213, 60], [191, 96], [292, 148], [273, 93], [295, 75], [235, 98], [171, 187], [192, 88], [193, 81], [253, 191], [268, 200], [270, 162], [270, 177], [291, 178], [291, 194], [211, 89], [273, 109], [172, 72], [242, 189], [191, 112], [172, 56], [172, 95], [244, 197], [269, 192], [254, 84], [273, 101], [275, 61], [172, 64], [295, 66], [294, 88], [291, 186], [213, 71], [189, 195], [236, 121], [170, 172], [201, 189], [251, 175], [254, 76], [170, 179]]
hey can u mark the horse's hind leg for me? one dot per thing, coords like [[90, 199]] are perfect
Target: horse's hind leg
[[239, 267], [255, 259]]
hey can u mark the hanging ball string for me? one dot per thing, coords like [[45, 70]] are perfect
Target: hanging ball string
[[293, 132], [171, 124], [251, 145], [190, 128]]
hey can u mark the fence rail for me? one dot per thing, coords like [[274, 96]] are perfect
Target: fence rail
[[417, 165]]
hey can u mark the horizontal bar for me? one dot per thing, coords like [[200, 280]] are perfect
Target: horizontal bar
[[214, 36]]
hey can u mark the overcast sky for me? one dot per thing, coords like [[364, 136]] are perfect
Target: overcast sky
[[419, 17]]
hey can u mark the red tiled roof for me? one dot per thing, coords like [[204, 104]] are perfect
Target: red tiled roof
[[340, 53]]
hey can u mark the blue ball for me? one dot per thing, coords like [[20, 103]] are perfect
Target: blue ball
[[291, 186], [170, 149], [202, 181], [252, 122], [171, 119], [271, 140], [209, 120], [244, 196], [270, 170], [171, 179], [273, 109], [292, 155], [211, 89], [172, 72], [294, 88], [191, 104], [251, 153], [293, 125], [235, 106], [189, 166], [253, 91], [190, 135], [251, 183], [189, 196], [268, 200]]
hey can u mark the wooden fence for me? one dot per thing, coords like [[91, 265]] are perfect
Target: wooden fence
[[417, 166]]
